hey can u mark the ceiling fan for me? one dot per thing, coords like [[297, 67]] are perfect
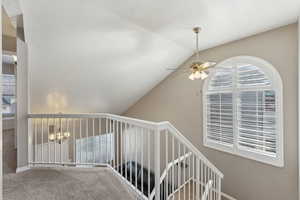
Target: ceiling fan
[[198, 69]]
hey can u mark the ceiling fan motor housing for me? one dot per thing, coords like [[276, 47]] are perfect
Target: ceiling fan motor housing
[[197, 29], [196, 66]]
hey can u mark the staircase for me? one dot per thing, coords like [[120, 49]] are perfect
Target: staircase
[[154, 159]]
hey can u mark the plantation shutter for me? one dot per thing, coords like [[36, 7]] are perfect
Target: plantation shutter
[[242, 110], [251, 76], [256, 106], [220, 107], [252, 114], [220, 121]]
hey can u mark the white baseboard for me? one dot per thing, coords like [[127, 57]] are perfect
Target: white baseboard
[[22, 169]]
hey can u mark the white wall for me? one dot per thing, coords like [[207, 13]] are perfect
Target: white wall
[[22, 103]]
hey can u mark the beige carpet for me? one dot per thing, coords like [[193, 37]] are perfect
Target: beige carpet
[[64, 184]]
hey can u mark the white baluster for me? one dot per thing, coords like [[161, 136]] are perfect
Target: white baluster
[[173, 166], [112, 138], [86, 139], [74, 140], [157, 163], [198, 184], [142, 159], [42, 144], [184, 171], [117, 145], [219, 188], [94, 140], [80, 136], [126, 149], [130, 151], [190, 183], [179, 170], [48, 142], [60, 140], [166, 188], [99, 140], [121, 147], [135, 160], [106, 136], [149, 161], [35, 140]]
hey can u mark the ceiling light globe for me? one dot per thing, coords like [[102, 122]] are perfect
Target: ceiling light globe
[[66, 134], [203, 75], [192, 77], [52, 137], [197, 75]]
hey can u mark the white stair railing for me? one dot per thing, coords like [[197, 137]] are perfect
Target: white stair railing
[[152, 158], [166, 172]]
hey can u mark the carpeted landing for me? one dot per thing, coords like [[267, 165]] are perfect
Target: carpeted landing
[[65, 184]]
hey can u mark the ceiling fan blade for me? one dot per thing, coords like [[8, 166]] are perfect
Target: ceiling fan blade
[[208, 64], [206, 69]]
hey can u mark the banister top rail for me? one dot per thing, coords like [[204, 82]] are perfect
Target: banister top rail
[[63, 115], [138, 122], [134, 121]]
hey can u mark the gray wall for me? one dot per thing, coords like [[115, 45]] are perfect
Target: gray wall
[[9, 43], [179, 101]]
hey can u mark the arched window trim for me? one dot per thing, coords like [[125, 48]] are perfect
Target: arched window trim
[[276, 85]]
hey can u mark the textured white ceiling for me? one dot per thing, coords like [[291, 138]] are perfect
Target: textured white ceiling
[[102, 56]]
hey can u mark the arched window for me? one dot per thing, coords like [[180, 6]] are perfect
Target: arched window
[[242, 109]]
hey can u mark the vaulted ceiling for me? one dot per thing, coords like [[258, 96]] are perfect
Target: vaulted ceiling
[[102, 56]]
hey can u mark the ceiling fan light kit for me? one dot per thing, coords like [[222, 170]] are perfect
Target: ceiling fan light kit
[[198, 75], [198, 68]]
